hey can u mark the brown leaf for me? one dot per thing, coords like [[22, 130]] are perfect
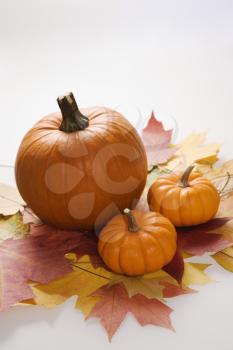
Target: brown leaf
[[115, 304]]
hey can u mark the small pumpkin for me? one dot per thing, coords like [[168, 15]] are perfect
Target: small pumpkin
[[78, 168], [136, 243], [186, 200]]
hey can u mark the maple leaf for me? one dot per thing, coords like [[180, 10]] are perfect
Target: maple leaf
[[86, 304], [171, 290], [203, 238], [12, 227], [193, 150], [39, 258], [157, 142], [10, 200], [115, 304], [82, 281], [176, 267], [194, 273], [221, 176], [88, 246], [225, 258], [149, 287]]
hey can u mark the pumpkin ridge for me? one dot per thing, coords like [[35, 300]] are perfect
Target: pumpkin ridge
[[51, 151], [166, 194], [202, 203], [120, 252], [25, 150]]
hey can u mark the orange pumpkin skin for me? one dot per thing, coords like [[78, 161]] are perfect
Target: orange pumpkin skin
[[136, 253], [194, 204], [81, 179]]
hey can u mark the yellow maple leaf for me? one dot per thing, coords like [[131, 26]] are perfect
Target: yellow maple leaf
[[82, 281], [194, 150], [86, 304], [12, 227], [194, 273], [225, 258], [150, 288]]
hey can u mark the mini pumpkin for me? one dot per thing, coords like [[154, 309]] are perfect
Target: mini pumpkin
[[186, 200], [78, 168], [137, 242]]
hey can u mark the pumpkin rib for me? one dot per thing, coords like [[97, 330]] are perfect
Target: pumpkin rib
[[158, 200], [46, 164], [203, 205], [184, 205], [66, 202], [205, 201], [155, 238], [28, 147], [108, 255], [144, 249], [168, 193]]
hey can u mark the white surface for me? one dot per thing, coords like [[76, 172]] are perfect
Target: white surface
[[173, 56]]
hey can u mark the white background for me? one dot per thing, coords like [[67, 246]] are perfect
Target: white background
[[173, 56]]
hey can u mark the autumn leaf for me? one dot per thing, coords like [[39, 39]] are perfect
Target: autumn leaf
[[176, 267], [225, 258], [157, 142], [194, 273], [171, 290], [194, 150], [203, 238], [82, 281], [86, 304], [150, 288], [10, 200], [12, 227], [115, 304], [88, 246], [39, 258], [221, 176]]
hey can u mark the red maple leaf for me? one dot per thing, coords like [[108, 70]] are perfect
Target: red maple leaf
[[38, 257], [115, 304], [157, 142], [197, 241], [171, 290], [176, 267]]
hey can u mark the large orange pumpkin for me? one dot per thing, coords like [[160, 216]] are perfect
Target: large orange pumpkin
[[188, 199], [137, 242], [77, 168]]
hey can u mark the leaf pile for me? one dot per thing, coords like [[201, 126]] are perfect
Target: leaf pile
[[41, 265]]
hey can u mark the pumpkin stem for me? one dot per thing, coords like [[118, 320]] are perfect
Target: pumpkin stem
[[185, 177], [133, 226], [73, 119]]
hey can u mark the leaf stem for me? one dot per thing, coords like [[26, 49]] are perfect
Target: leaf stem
[[93, 273]]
